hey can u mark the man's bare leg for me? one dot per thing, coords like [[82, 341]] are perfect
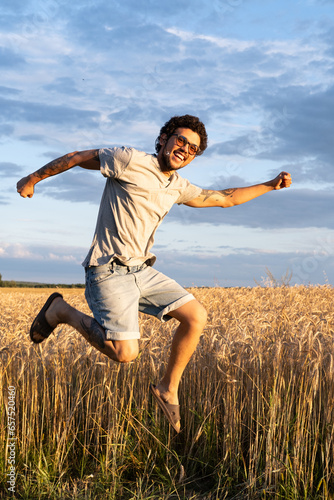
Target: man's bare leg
[[118, 350], [192, 317]]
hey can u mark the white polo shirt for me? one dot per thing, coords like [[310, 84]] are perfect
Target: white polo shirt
[[136, 198]]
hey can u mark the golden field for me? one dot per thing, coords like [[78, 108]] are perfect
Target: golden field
[[257, 403]]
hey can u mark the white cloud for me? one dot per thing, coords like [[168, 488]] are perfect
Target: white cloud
[[65, 258], [40, 253], [16, 251], [90, 74], [231, 45]]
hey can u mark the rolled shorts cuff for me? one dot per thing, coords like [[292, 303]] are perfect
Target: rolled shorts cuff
[[164, 316], [110, 335]]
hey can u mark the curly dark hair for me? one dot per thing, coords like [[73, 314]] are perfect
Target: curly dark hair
[[185, 121]]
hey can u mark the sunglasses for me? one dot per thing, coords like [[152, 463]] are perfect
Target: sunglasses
[[183, 141]]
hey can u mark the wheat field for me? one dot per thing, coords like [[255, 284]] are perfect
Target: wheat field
[[257, 404]]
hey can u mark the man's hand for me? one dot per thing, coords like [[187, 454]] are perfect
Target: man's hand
[[283, 180], [25, 187]]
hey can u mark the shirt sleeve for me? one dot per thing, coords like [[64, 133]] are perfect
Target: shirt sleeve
[[189, 192], [113, 161]]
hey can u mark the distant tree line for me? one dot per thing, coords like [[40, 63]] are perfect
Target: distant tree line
[[28, 284]]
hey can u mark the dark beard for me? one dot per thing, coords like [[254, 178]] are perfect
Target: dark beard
[[165, 162]]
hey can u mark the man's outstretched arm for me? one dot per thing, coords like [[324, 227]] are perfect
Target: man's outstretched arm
[[86, 159], [237, 196]]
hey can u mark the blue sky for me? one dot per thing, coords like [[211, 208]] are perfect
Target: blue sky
[[90, 74]]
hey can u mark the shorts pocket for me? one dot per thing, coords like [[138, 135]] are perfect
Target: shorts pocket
[[98, 274]]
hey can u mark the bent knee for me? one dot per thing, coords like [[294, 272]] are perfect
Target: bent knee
[[193, 314], [200, 316], [126, 352]]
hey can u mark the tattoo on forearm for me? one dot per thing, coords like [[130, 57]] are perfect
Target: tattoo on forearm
[[228, 192], [209, 193], [54, 167], [62, 164], [94, 332]]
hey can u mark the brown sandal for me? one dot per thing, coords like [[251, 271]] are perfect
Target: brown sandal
[[40, 326], [172, 412]]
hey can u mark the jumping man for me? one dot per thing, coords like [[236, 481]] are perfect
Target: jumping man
[[140, 190]]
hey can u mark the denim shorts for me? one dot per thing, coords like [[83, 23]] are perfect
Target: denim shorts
[[115, 293]]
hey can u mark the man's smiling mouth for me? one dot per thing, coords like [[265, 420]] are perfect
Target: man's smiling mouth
[[180, 156]]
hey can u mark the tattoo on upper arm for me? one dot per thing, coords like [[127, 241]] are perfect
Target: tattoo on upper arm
[[94, 332], [209, 193], [206, 193]]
